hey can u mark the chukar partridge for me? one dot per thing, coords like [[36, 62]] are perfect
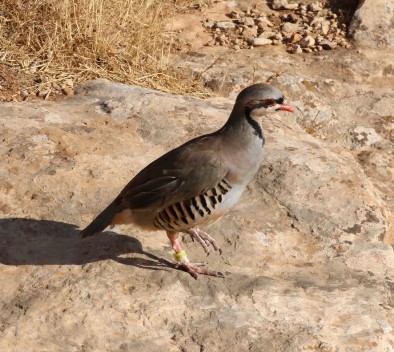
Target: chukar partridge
[[196, 183]]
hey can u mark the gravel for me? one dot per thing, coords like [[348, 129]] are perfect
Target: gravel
[[302, 28]]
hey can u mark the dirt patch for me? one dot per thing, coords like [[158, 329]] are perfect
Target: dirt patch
[[11, 83]]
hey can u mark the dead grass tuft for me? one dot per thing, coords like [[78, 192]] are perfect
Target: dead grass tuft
[[124, 41], [314, 126]]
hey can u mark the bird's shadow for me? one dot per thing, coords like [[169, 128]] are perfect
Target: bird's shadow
[[45, 242]]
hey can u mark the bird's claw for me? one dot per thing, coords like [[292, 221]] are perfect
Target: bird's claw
[[197, 268], [203, 238]]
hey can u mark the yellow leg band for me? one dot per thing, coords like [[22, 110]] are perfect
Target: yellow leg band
[[180, 256]]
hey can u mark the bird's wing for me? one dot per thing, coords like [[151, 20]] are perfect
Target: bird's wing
[[180, 174]]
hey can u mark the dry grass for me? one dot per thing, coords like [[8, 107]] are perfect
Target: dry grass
[[122, 40], [314, 126]]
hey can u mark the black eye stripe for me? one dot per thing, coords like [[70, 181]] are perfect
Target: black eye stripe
[[256, 104]]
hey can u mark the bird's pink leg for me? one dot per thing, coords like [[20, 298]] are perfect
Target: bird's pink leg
[[183, 261], [202, 238]]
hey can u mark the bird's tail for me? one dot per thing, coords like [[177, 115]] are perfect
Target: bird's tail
[[101, 221]]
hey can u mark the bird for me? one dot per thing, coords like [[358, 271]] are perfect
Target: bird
[[196, 183]]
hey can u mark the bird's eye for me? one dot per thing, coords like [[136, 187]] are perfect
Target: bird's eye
[[270, 102]]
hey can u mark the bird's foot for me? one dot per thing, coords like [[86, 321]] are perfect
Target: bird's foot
[[203, 238], [194, 268]]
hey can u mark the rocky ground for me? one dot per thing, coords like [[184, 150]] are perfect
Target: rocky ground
[[307, 253], [302, 27]]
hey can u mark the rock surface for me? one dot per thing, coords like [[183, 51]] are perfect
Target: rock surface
[[373, 24], [306, 268], [307, 252]]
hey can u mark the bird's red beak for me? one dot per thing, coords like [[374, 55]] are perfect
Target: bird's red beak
[[286, 107]]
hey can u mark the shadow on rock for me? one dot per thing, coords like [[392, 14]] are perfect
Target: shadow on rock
[[43, 242]]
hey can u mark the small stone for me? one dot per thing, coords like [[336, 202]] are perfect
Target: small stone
[[222, 38], [295, 37], [68, 91], [278, 36], [296, 49], [328, 45], [267, 35], [325, 28], [68, 83], [263, 22], [316, 22], [290, 6], [248, 21], [308, 41], [236, 47], [291, 17], [233, 14], [208, 24], [24, 94], [314, 7], [249, 33], [261, 41], [330, 36], [290, 27], [307, 50], [225, 25], [43, 93], [279, 4]]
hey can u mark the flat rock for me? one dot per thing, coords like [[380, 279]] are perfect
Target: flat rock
[[225, 25], [261, 41], [303, 253]]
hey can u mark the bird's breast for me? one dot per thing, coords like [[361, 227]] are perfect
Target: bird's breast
[[243, 160]]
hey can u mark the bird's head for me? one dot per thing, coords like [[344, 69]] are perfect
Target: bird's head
[[262, 96]]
